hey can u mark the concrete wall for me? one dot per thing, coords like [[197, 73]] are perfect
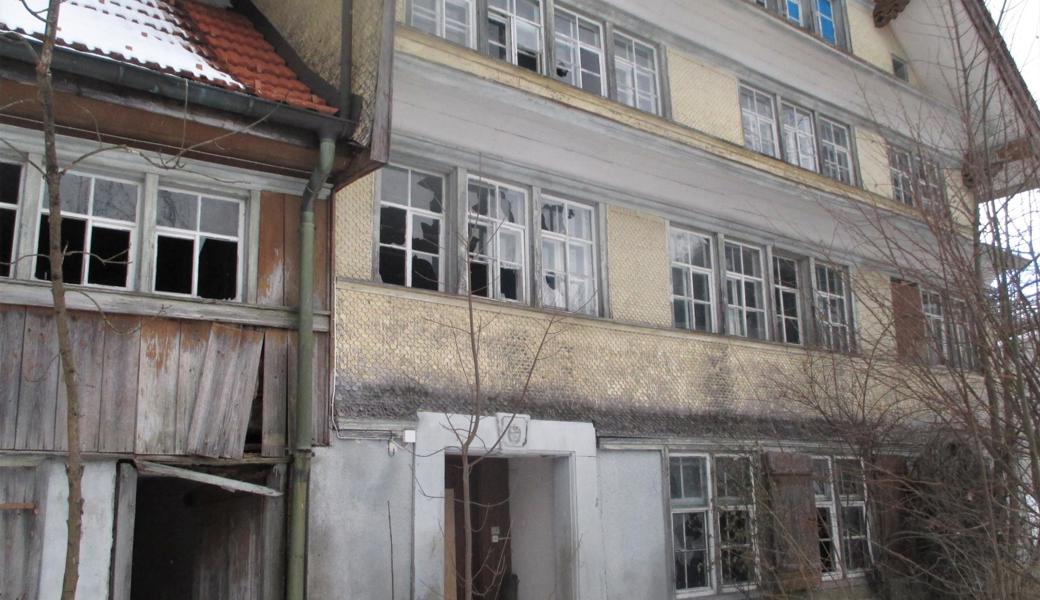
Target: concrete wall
[[534, 528], [634, 533], [872, 44], [349, 549], [99, 484]]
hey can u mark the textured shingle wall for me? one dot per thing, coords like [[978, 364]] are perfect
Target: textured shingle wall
[[313, 27], [872, 152], [704, 98], [637, 265], [355, 212]]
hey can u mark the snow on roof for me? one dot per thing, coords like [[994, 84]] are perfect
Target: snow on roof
[[199, 42]]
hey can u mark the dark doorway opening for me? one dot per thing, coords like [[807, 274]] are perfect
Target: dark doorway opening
[[195, 541]]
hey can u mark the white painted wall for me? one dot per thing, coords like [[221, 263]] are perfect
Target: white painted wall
[[349, 541], [533, 527], [634, 535], [99, 485]]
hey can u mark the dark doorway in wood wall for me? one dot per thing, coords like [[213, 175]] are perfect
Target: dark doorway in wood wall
[[195, 541], [489, 491]]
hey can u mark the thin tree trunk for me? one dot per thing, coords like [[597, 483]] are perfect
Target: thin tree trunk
[[52, 173]]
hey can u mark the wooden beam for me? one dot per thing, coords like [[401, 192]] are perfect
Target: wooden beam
[[232, 485]]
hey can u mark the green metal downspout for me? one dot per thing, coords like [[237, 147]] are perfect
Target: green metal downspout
[[296, 570]]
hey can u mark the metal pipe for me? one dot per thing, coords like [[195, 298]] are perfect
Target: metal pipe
[[296, 570]]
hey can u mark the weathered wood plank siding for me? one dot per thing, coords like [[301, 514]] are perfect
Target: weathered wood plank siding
[[278, 276], [20, 532], [141, 381]]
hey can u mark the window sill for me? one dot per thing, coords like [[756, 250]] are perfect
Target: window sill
[[84, 298]]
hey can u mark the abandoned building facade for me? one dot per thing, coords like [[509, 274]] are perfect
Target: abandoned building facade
[[650, 210]]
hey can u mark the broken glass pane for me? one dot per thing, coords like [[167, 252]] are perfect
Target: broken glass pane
[[427, 192], [509, 283], [392, 225], [109, 256], [7, 224], [10, 180], [425, 272], [478, 279], [391, 265], [218, 269], [174, 259], [426, 234], [73, 240], [395, 185]]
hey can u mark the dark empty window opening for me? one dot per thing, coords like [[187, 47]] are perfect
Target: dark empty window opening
[[99, 218], [900, 69], [10, 183], [197, 245]]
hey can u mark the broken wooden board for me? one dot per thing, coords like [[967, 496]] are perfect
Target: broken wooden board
[[225, 483]]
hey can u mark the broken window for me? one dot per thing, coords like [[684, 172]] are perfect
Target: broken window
[[98, 226], [835, 151], [759, 120], [799, 136], [579, 51], [411, 228], [786, 300], [712, 522], [899, 166], [900, 69], [832, 308], [851, 495], [497, 239], [515, 32], [568, 256], [635, 69], [197, 243], [692, 280], [745, 297], [935, 326], [10, 187], [449, 19]]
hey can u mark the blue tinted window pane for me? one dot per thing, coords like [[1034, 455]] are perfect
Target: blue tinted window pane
[[827, 31], [794, 10], [825, 8]]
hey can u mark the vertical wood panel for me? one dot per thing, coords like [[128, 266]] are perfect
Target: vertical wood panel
[[322, 224], [38, 395], [86, 332], [270, 280], [119, 377], [123, 551], [272, 565], [194, 337], [12, 332], [291, 234], [274, 391], [20, 533], [240, 403], [290, 390], [157, 387]]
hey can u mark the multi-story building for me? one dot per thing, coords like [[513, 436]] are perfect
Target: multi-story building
[[199, 150], [679, 190]]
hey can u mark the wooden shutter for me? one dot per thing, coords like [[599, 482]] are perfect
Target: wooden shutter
[[910, 329], [886, 491], [791, 547]]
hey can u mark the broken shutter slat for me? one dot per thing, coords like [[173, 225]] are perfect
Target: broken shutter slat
[[38, 393], [276, 348], [12, 331], [227, 385], [119, 376], [145, 467]]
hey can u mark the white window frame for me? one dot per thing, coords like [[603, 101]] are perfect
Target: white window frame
[[742, 280], [753, 121], [860, 503], [91, 220], [804, 143], [689, 270], [962, 344], [820, 18], [800, 20], [16, 210], [750, 509], [780, 317], [709, 524], [576, 45], [195, 236], [935, 319], [510, 19], [441, 20], [902, 176], [411, 211], [591, 305], [822, 298], [621, 63], [496, 225], [832, 146]]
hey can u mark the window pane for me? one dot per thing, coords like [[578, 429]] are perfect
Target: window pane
[[425, 272], [10, 180], [579, 222], [552, 217], [690, 541], [218, 269], [177, 210], [219, 216], [75, 193], [821, 478], [509, 283], [391, 265], [7, 224], [478, 279], [427, 192], [394, 185], [681, 313], [115, 200], [680, 283], [392, 223], [426, 234], [479, 199], [529, 9], [510, 246], [109, 256], [73, 240], [174, 259]]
